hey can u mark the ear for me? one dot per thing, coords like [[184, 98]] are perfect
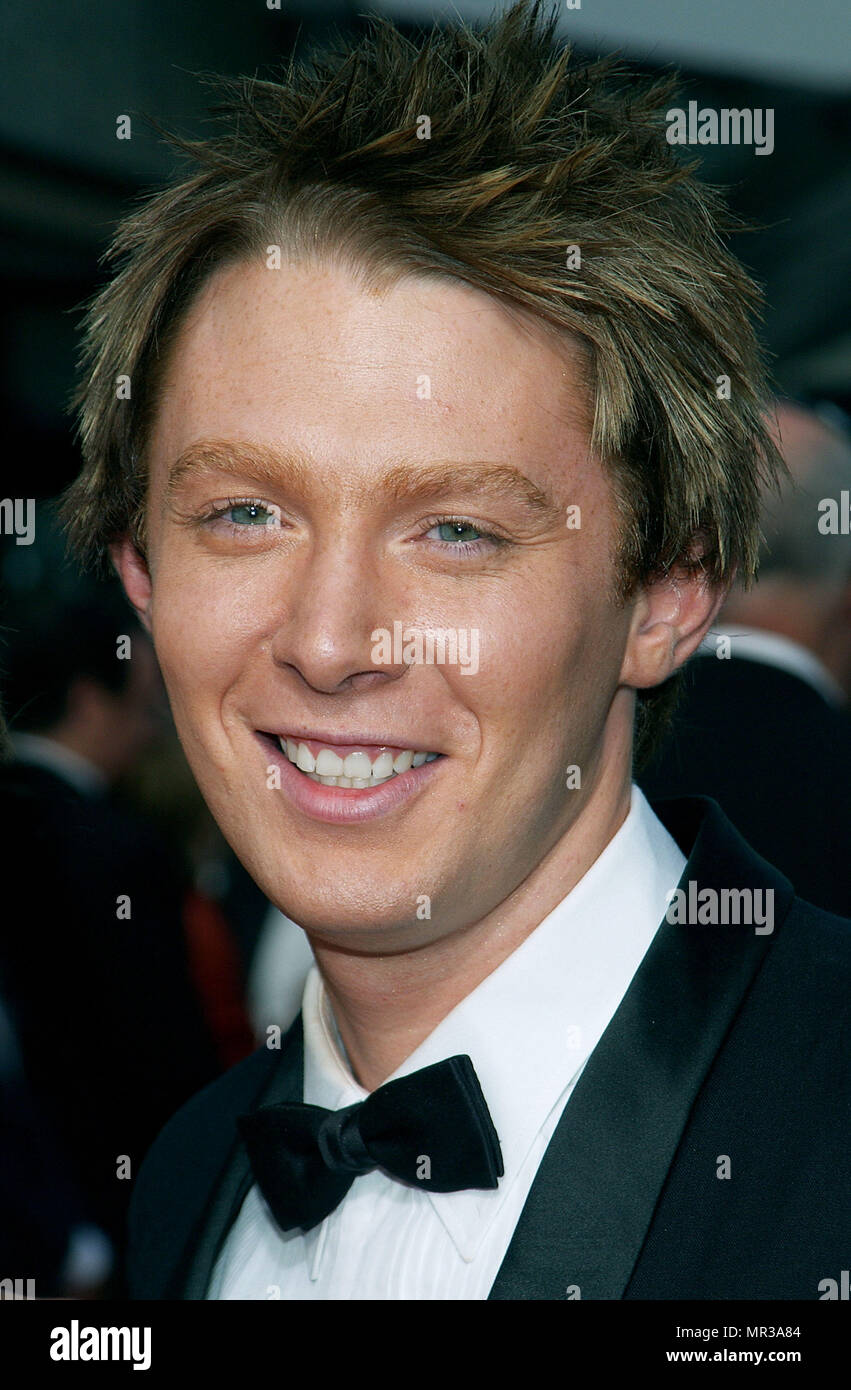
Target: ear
[[671, 617], [132, 570]]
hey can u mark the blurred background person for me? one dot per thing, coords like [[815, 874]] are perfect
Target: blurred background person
[[111, 958], [763, 722], [803, 594], [46, 1235], [48, 1247]]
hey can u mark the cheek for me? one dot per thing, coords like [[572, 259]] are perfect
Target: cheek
[[200, 641], [553, 656], [548, 671]]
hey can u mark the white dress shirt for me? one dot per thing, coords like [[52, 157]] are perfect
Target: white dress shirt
[[529, 1028]]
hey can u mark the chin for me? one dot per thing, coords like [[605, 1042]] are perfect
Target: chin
[[366, 910]]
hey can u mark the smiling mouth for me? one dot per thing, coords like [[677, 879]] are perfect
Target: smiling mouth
[[353, 765]]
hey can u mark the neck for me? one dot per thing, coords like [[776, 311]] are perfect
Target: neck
[[386, 1006]]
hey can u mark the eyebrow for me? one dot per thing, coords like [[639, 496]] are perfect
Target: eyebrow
[[404, 482]]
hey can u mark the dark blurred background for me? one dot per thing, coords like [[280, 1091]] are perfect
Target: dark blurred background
[[68, 71]]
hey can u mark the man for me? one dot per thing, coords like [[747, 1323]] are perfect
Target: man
[[763, 724], [423, 485]]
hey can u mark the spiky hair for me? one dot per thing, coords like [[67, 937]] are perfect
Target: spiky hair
[[529, 153]]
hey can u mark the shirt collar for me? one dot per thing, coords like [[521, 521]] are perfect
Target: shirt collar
[[531, 1025]]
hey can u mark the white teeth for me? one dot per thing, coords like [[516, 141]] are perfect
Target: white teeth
[[305, 759], [328, 764], [357, 765], [382, 767], [355, 770]]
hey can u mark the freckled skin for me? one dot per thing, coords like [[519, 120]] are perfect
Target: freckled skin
[[277, 633]]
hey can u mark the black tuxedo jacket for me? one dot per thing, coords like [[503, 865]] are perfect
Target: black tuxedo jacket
[[728, 1054]]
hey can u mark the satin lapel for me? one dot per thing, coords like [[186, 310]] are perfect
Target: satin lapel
[[593, 1198], [286, 1082]]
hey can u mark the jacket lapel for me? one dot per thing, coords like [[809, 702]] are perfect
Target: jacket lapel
[[590, 1206], [285, 1083]]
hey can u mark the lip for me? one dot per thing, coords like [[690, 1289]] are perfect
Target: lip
[[345, 805], [350, 740]]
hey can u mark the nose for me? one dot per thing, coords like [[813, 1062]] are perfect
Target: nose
[[336, 600]]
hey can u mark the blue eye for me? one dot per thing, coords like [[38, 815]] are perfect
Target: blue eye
[[249, 514], [457, 531]]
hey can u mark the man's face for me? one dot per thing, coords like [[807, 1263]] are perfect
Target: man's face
[[357, 461]]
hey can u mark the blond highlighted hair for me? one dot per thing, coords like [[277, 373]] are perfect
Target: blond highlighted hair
[[529, 153]]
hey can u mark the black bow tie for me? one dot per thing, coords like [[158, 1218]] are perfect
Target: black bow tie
[[431, 1129]]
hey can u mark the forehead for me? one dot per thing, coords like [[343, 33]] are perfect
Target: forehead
[[309, 358]]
